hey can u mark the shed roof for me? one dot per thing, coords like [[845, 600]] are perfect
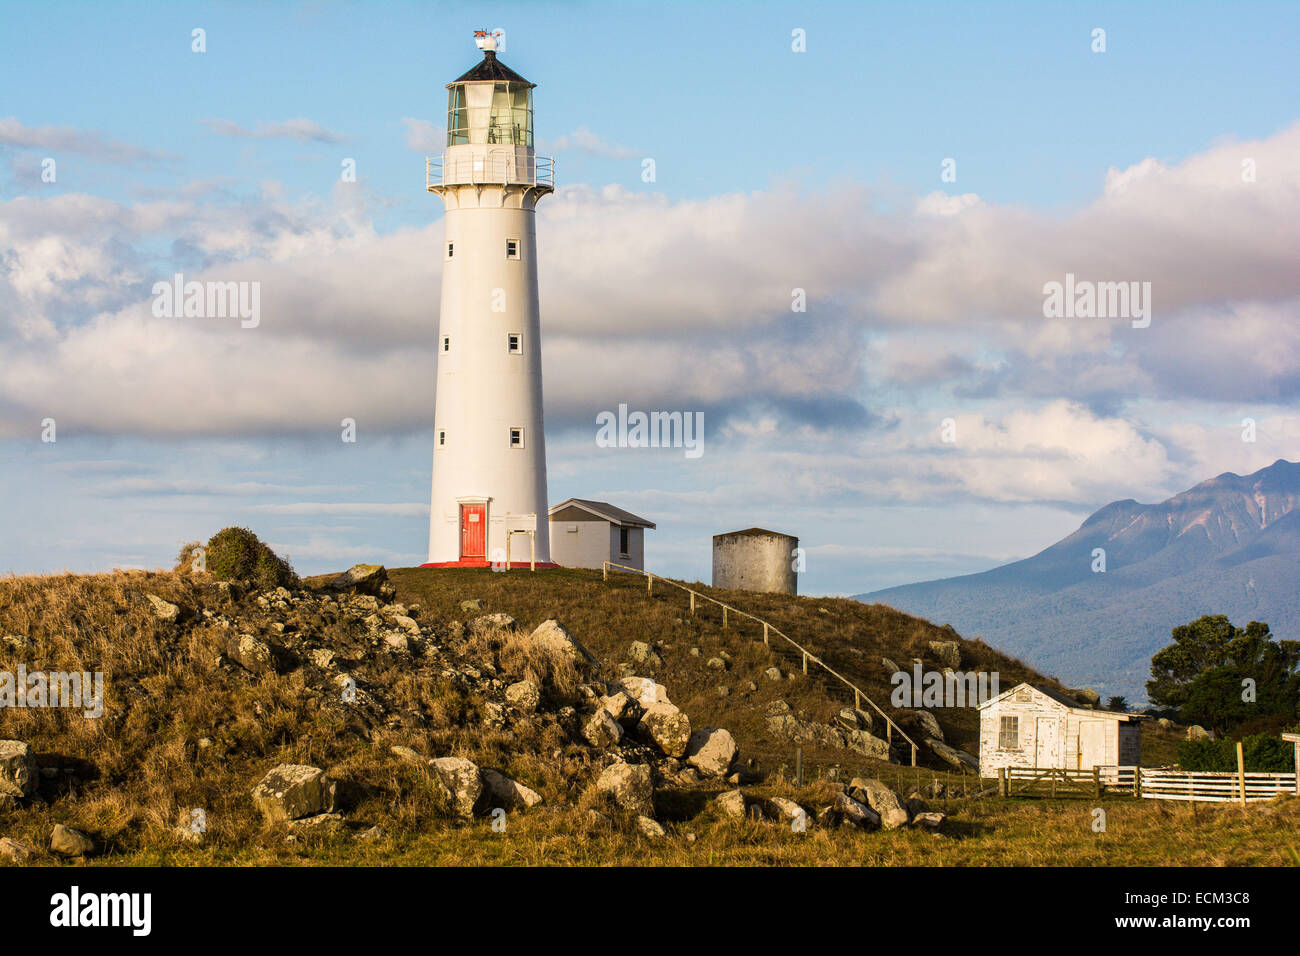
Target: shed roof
[[603, 509], [1062, 699]]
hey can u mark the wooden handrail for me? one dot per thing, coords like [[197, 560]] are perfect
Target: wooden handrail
[[859, 694]]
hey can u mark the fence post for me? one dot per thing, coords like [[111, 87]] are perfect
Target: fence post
[[1004, 788], [1241, 774], [1137, 781], [649, 584], [798, 766], [857, 699], [724, 615], [765, 642], [692, 602], [913, 755], [1096, 781], [805, 662], [604, 571]]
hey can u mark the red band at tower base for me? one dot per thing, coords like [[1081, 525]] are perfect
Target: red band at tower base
[[481, 563]]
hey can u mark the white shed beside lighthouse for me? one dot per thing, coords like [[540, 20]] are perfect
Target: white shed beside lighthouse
[[489, 454]]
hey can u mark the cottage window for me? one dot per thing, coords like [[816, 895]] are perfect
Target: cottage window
[[623, 544], [1009, 734]]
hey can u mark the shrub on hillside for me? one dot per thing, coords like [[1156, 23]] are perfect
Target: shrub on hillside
[[236, 554], [185, 559], [1263, 753]]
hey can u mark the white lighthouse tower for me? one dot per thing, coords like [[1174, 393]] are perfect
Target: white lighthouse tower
[[489, 454]]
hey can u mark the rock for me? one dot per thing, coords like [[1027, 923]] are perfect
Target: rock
[[650, 828], [373, 835], [487, 622], [643, 654], [716, 664], [889, 665], [929, 821], [711, 751], [855, 812], [408, 755], [602, 730], [18, 776], [16, 851], [250, 653], [644, 690], [66, 841], [472, 606], [958, 758], [859, 741], [408, 624], [731, 803], [362, 578], [772, 673], [507, 793], [928, 723], [667, 727], [397, 642], [294, 791], [622, 707], [321, 657], [722, 690], [462, 778], [319, 823], [552, 637], [165, 610], [853, 719], [777, 708], [881, 799], [1164, 723], [783, 810], [1087, 695], [630, 786], [524, 695], [1197, 732], [947, 653]]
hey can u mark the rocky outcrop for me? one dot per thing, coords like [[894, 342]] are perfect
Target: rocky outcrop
[[629, 786], [552, 636], [882, 800], [711, 751], [667, 728], [958, 758], [507, 793], [18, 777], [66, 841], [463, 781]]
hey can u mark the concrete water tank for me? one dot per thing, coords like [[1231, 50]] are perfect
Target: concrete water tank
[[755, 560]]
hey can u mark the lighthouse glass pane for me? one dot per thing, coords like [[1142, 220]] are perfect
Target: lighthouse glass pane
[[457, 117]]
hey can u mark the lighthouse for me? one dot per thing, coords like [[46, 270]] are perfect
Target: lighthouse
[[489, 452]]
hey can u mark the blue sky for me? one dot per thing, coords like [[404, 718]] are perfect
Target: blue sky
[[775, 170]]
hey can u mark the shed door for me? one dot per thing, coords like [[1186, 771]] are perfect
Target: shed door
[[1092, 744], [473, 531], [1047, 744]]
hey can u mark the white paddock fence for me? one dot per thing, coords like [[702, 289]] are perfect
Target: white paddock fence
[[1163, 783]]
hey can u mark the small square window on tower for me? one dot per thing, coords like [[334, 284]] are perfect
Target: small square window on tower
[[442, 438], [451, 250], [446, 343], [515, 343], [517, 436], [512, 248]]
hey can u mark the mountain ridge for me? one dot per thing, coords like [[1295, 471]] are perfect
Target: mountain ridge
[[1227, 545]]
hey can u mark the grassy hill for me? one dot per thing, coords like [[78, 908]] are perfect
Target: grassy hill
[[193, 721]]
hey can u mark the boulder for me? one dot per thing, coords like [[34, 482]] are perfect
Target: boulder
[[716, 664], [958, 758], [650, 828], [644, 690], [644, 655], [18, 776], [251, 653], [630, 786], [602, 730], [881, 799], [1197, 732], [929, 821], [855, 812], [772, 673], [859, 741], [622, 707], [407, 755], [667, 727], [66, 841], [947, 653], [711, 751], [294, 791], [16, 851], [928, 723], [851, 718], [784, 810], [472, 606], [524, 694], [1164, 723], [1087, 695], [487, 622], [731, 803], [507, 793], [462, 779], [165, 610], [362, 578], [552, 637]]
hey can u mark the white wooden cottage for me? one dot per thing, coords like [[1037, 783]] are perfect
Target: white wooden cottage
[[1030, 726]]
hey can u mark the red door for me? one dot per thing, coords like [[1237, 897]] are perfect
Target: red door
[[473, 531]]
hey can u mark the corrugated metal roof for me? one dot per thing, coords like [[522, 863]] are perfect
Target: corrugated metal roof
[[607, 511], [491, 69]]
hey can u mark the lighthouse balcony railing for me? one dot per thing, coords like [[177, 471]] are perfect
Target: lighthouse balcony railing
[[488, 170]]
